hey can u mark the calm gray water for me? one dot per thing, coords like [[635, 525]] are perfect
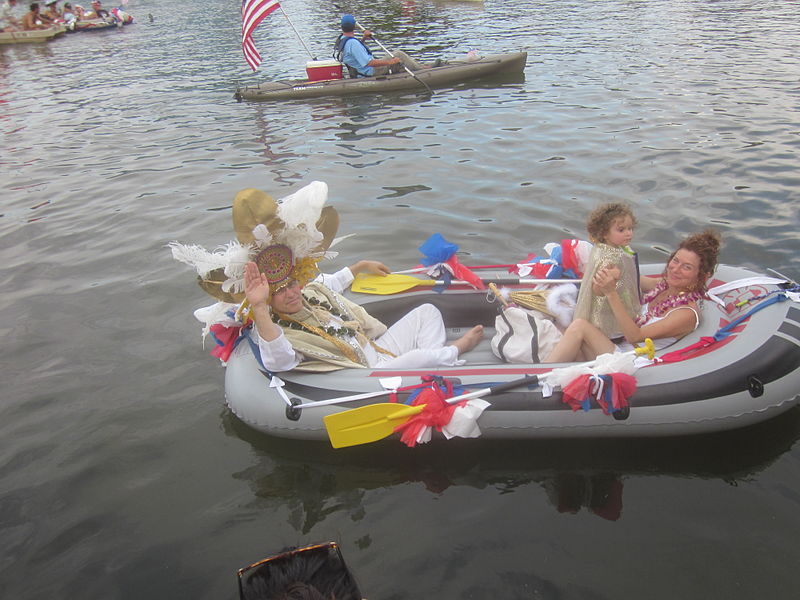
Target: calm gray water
[[123, 476]]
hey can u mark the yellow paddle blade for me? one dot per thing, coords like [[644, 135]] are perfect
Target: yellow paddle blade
[[367, 423], [389, 284]]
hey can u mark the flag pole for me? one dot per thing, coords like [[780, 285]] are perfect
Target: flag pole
[[298, 34]]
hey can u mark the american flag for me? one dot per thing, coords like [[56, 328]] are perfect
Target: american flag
[[253, 12]]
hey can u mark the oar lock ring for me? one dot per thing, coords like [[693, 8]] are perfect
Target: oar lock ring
[[292, 412]]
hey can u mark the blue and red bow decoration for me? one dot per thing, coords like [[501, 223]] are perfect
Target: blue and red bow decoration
[[437, 412], [438, 252], [610, 392], [561, 263], [225, 340]]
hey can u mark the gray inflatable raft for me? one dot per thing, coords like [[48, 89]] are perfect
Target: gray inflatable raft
[[750, 376]]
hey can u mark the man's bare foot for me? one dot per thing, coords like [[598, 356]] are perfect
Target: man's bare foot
[[469, 340]]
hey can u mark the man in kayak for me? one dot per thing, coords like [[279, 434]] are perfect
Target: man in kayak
[[360, 62]]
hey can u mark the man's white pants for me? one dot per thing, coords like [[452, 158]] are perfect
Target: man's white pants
[[418, 341]]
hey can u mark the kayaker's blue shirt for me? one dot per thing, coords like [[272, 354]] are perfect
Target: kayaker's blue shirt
[[355, 54]]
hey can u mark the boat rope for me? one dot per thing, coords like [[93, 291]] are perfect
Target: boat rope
[[779, 296], [723, 332]]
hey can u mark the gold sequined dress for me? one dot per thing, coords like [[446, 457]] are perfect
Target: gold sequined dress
[[596, 309]]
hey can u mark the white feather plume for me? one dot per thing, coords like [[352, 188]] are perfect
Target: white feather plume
[[263, 237], [304, 206], [340, 239], [300, 212], [230, 257], [197, 257], [561, 303], [334, 253], [236, 256]]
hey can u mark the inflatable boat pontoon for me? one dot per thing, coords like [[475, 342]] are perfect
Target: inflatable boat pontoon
[[747, 377]]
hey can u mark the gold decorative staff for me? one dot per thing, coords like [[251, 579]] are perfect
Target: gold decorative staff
[[532, 299]]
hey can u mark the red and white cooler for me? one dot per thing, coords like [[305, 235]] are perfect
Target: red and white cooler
[[320, 70]]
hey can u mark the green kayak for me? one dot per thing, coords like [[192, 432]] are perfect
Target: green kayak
[[449, 73]]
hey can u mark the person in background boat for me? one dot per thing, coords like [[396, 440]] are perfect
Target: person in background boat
[[32, 19], [51, 13], [68, 14], [358, 58], [670, 304], [8, 16], [610, 227], [322, 325], [120, 16], [97, 12]]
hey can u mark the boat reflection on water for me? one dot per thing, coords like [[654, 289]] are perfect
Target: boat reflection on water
[[313, 480]]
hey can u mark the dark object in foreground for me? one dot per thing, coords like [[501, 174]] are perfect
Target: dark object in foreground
[[309, 573]]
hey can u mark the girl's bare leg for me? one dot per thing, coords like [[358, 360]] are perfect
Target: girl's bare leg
[[581, 341]]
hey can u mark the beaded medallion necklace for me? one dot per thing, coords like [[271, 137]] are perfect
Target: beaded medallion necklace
[[329, 332], [325, 305], [670, 302]]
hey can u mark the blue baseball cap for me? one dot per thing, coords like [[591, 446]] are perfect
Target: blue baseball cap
[[348, 21]]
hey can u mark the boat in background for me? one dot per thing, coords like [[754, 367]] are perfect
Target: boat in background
[[92, 25], [449, 73], [34, 35], [117, 18]]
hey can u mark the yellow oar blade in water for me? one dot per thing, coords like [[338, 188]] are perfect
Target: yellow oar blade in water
[[388, 284], [367, 423]]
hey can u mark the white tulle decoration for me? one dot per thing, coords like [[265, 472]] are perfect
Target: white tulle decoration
[[221, 312], [620, 362]]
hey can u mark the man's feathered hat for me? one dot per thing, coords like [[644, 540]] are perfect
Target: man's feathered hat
[[286, 239]]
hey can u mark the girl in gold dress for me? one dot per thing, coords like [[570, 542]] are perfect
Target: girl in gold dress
[[610, 228]]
